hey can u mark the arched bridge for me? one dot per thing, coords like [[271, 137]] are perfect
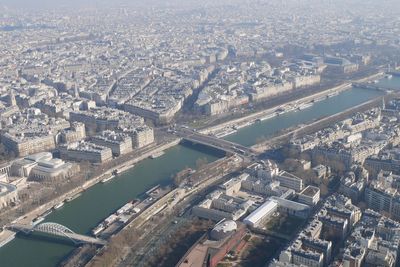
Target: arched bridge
[[57, 230]]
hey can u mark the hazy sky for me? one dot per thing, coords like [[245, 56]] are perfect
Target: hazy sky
[[50, 3], [44, 4]]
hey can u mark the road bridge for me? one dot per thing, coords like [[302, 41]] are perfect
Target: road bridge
[[394, 73], [56, 230], [371, 86], [215, 142]]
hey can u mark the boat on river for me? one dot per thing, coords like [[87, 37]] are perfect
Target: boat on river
[[59, 205], [37, 220], [157, 155], [105, 180], [332, 94], [69, 199], [304, 106]]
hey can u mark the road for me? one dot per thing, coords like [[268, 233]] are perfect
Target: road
[[317, 125], [213, 141]]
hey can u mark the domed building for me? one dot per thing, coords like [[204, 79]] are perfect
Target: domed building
[[210, 249]]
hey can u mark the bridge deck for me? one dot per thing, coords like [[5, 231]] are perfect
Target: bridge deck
[[215, 142], [370, 86], [76, 237]]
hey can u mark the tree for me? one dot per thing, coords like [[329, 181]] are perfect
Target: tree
[[5, 154], [291, 164], [86, 168], [323, 189], [338, 166], [305, 156]]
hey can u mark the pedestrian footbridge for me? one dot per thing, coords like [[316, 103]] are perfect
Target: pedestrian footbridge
[[56, 230]]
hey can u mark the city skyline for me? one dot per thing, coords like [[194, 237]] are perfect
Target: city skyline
[[202, 133]]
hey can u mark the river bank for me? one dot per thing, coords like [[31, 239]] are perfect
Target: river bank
[[169, 204], [237, 123], [7, 235], [224, 129], [99, 201], [140, 223], [316, 125], [265, 114], [93, 206], [269, 113]]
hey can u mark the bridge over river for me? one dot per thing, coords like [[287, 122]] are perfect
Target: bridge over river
[[215, 142], [371, 86], [56, 230]]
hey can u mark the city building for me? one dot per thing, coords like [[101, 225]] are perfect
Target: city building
[[262, 214], [119, 143], [314, 245], [374, 242], [85, 151], [73, 134], [141, 136], [101, 118], [339, 65], [218, 206], [31, 132], [352, 185], [232, 186], [382, 195], [309, 196], [290, 181], [42, 167], [293, 208], [8, 195], [211, 248]]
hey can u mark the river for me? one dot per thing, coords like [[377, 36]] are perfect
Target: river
[[97, 203], [258, 131], [85, 212], [393, 83]]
